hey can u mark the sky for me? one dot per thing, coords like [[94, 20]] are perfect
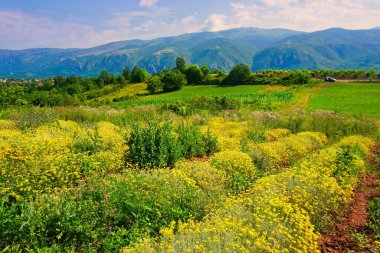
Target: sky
[[87, 23]]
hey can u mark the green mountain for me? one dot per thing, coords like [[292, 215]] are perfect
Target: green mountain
[[259, 48], [333, 48], [222, 50]]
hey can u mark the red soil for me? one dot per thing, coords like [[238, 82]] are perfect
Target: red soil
[[340, 239]]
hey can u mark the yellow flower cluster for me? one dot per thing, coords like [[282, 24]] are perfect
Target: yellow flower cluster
[[229, 133], [234, 162], [55, 155], [208, 178], [276, 134], [280, 213], [278, 154]]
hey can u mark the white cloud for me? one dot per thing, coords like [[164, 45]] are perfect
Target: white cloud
[[148, 3], [19, 29], [23, 30], [308, 15]]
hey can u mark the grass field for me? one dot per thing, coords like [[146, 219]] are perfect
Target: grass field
[[354, 98], [130, 90], [245, 93]]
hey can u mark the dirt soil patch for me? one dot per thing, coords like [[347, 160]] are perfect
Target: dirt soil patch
[[342, 237]]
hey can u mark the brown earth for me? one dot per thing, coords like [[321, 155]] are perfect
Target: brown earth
[[351, 233]]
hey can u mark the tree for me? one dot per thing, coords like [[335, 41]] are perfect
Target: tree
[[11, 95], [371, 74], [121, 80], [155, 84], [238, 75], [106, 78], [218, 72], [297, 77], [173, 80], [139, 75], [205, 70], [127, 74], [180, 64], [193, 74]]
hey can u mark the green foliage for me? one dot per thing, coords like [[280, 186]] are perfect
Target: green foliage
[[173, 80], [345, 163], [101, 214], [194, 74], [127, 74], [205, 70], [374, 216], [238, 75], [193, 143], [139, 75], [34, 117], [155, 84], [11, 95], [296, 78], [106, 78], [153, 146], [180, 64]]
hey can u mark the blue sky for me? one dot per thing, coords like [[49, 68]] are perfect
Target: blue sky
[[86, 23]]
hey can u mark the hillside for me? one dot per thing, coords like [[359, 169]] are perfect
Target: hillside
[[259, 48], [225, 48], [333, 48]]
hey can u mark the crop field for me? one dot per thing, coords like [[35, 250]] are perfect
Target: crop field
[[188, 93], [152, 179], [354, 98]]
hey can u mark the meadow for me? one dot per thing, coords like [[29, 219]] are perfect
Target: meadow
[[245, 169], [354, 98]]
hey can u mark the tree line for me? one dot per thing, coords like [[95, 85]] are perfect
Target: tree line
[[73, 90]]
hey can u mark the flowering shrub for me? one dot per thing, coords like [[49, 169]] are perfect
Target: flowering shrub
[[212, 181], [229, 133], [279, 213], [102, 213], [56, 155], [238, 165], [279, 154], [276, 134]]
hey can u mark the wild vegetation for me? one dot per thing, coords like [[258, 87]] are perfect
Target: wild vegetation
[[191, 160]]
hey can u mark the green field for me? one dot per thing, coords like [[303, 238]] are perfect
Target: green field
[[245, 93], [354, 98]]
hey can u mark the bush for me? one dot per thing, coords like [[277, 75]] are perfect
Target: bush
[[279, 213], [238, 166], [238, 75], [214, 182], [155, 145], [101, 214], [374, 215], [155, 84], [193, 143], [279, 154], [173, 80], [56, 155], [34, 117]]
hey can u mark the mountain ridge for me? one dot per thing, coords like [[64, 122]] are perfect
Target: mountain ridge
[[259, 48]]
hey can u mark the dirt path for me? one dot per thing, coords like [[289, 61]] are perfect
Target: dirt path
[[342, 238], [303, 100]]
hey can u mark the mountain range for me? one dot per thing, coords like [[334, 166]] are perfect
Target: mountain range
[[259, 48]]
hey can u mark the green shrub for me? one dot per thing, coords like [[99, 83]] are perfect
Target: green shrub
[[153, 146], [374, 215], [101, 214], [238, 165], [34, 117], [193, 143]]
